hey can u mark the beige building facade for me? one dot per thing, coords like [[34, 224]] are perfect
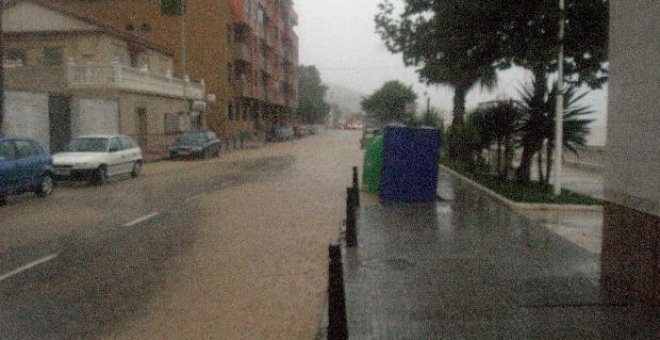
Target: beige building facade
[[206, 27], [68, 75]]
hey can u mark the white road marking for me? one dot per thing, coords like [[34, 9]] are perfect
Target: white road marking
[[27, 267], [141, 219]]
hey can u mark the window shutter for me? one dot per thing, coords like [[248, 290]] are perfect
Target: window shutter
[[171, 7]]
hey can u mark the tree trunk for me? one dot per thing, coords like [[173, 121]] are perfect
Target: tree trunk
[[508, 155], [539, 163], [533, 137], [459, 114], [459, 105], [548, 165], [499, 157]]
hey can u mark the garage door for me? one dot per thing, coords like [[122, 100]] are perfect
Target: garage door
[[96, 116]]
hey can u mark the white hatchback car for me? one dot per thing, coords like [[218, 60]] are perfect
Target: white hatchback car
[[96, 158]]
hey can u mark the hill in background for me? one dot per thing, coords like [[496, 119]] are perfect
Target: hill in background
[[344, 98]]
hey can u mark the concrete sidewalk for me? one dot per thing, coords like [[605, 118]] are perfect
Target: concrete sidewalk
[[468, 268], [586, 181]]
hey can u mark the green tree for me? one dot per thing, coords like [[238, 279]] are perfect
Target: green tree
[[444, 40], [432, 118], [455, 42], [575, 127], [528, 30], [497, 125], [312, 107], [390, 103]]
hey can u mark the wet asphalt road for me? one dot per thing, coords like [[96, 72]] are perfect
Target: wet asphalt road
[[75, 264]]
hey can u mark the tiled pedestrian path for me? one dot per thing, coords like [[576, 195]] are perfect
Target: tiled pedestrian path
[[468, 268]]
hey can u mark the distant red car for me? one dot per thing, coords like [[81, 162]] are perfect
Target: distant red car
[[354, 126]]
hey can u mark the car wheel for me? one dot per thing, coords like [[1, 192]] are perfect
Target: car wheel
[[46, 186], [205, 154], [137, 168], [100, 175], [3, 200]]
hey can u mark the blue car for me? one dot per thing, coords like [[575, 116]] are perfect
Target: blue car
[[25, 166]]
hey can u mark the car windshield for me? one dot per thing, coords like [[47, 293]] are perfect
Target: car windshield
[[192, 138], [88, 145]]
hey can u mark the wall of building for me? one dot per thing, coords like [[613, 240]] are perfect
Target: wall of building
[[158, 140], [634, 120], [631, 234], [207, 52], [26, 115], [81, 48], [94, 116]]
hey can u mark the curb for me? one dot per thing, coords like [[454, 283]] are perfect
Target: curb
[[586, 166], [524, 206]]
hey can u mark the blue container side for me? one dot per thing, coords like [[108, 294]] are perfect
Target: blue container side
[[410, 165]]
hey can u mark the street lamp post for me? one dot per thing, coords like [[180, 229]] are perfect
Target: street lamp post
[[184, 70], [559, 114]]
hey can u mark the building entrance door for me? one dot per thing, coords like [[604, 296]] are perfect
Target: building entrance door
[[59, 114], [142, 125]]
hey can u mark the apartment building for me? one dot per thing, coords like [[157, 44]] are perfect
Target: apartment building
[[68, 75], [206, 53], [263, 62], [245, 50]]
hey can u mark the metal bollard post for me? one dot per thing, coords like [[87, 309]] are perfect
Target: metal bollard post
[[337, 322], [356, 187], [351, 227]]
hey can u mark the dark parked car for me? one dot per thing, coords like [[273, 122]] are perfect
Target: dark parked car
[[25, 166], [203, 144]]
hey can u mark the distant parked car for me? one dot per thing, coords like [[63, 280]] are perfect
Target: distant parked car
[[307, 130], [97, 158], [202, 144], [25, 166], [284, 133]]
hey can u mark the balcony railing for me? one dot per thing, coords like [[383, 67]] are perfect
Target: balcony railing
[[267, 66], [241, 51], [242, 88], [120, 77]]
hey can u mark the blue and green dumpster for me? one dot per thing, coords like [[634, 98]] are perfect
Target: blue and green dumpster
[[402, 165]]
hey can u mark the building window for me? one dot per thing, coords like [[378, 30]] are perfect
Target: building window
[[171, 123], [230, 111], [15, 57], [229, 72], [53, 56]]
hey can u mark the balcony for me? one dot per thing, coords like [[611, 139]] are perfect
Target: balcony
[[241, 51], [120, 77], [266, 68], [242, 88]]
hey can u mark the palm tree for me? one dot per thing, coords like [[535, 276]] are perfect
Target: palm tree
[[497, 126], [575, 127], [462, 75]]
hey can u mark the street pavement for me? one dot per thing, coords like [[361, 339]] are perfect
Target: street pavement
[[467, 267], [230, 248]]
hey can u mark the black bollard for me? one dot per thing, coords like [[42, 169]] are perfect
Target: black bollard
[[356, 187], [351, 227], [337, 323]]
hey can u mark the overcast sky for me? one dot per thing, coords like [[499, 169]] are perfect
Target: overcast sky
[[338, 37]]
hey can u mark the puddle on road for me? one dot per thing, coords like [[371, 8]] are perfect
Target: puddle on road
[[265, 164]]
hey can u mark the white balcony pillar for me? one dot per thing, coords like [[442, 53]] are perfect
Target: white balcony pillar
[[70, 71], [117, 76]]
